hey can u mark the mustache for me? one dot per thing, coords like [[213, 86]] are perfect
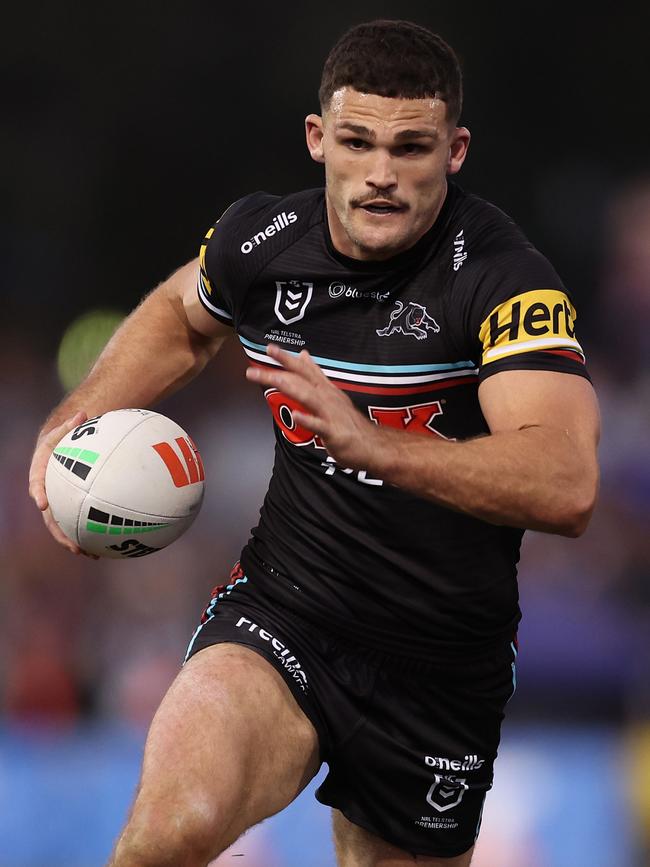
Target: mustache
[[365, 200]]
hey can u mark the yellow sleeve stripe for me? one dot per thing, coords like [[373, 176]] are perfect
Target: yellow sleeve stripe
[[531, 321], [532, 346]]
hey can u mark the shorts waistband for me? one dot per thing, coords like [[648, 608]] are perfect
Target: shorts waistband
[[385, 654]]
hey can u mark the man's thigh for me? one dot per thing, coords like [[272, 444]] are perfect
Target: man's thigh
[[228, 747], [356, 847]]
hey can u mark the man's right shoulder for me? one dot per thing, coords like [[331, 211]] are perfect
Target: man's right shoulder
[[260, 222], [249, 235]]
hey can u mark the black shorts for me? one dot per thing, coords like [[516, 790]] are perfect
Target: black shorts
[[410, 744]]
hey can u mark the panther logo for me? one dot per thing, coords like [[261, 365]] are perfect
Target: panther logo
[[411, 319]]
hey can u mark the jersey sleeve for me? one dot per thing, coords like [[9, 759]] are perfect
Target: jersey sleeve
[[225, 274], [522, 318]]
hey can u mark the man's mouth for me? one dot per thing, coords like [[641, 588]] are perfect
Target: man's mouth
[[381, 207]]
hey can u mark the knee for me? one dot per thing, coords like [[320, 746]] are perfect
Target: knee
[[159, 837]]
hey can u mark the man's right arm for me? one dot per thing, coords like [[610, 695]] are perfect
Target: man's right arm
[[163, 344]]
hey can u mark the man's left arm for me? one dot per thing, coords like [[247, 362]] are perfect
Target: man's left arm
[[537, 469]]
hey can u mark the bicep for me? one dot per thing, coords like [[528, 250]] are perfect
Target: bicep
[[198, 317], [516, 399]]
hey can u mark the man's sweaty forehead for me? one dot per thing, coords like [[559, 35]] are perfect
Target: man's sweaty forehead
[[350, 106]]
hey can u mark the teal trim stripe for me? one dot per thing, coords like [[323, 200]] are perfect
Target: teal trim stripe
[[373, 368], [209, 612]]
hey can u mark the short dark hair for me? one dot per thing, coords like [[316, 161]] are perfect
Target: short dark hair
[[394, 59]]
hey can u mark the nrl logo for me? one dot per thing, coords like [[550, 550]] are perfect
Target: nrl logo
[[411, 319], [446, 792], [291, 300]]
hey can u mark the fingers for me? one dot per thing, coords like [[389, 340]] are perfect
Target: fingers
[[310, 422], [297, 376], [42, 452], [61, 538], [58, 533], [301, 363]]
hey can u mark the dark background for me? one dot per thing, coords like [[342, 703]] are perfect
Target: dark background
[[125, 131], [128, 130]]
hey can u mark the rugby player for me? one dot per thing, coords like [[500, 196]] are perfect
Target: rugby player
[[431, 402]]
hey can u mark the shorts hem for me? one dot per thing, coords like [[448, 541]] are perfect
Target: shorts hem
[[440, 851]]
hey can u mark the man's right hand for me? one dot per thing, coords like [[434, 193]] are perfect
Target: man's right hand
[[171, 326], [44, 447]]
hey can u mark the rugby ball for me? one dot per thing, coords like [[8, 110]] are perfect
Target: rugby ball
[[125, 484]]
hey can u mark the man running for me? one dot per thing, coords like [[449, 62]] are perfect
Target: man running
[[430, 399]]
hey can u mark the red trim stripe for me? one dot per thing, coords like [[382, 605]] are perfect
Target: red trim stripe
[[436, 385], [417, 389], [567, 353]]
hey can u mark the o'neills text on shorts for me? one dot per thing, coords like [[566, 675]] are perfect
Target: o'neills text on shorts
[[280, 651]]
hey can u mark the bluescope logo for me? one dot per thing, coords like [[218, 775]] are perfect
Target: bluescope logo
[[543, 319]]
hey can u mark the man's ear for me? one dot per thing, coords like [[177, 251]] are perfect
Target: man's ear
[[458, 149], [314, 134]]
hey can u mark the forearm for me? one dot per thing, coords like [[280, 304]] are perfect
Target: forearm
[[152, 354], [524, 478]]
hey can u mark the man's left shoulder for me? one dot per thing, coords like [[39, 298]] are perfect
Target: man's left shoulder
[[488, 230]]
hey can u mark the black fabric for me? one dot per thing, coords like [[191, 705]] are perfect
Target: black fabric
[[409, 339], [410, 745]]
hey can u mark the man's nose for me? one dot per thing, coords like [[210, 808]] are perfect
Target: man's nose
[[381, 172]]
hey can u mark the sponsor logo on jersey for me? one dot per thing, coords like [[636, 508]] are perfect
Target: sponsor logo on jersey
[[277, 224], [415, 418], [342, 290], [460, 253], [446, 792], [542, 319], [186, 471], [280, 651], [291, 299], [282, 408], [411, 319], [469, 763]]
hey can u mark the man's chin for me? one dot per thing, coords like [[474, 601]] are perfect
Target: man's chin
[[381, 245]]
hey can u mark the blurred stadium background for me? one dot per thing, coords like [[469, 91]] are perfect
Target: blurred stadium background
[[126, 130]]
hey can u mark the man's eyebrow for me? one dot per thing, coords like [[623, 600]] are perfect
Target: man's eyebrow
[[403, 135], [408, 134], [355, 127]]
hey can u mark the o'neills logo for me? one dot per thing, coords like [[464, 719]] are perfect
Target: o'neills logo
[[279, 222], [469, 763]]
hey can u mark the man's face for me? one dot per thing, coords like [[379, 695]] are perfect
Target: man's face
[[386, 162]]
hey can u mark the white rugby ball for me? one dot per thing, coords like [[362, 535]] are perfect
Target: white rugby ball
[[125, 484]]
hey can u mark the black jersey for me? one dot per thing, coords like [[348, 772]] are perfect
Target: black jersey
[[409, 340]]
